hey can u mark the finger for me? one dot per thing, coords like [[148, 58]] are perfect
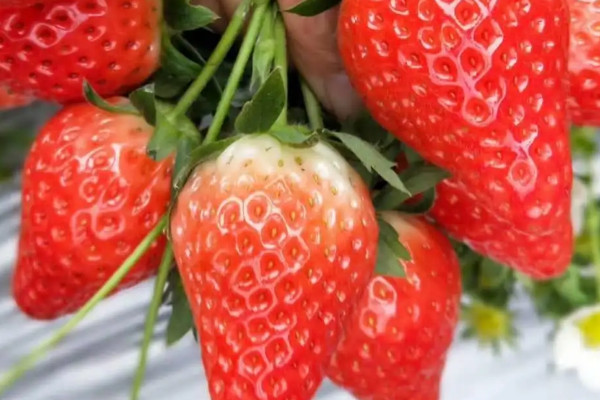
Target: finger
[[313, 49]]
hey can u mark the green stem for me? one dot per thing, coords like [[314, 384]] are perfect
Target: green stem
[[151, 316], [593, 226], [281, 61], [312, 106], [29, 361], [214, 61], [236, 73]]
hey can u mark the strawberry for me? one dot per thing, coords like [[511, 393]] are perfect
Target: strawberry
[[49, 48], [274, 246], [539, 256], [90, 195], [584, 99], [476, 87], [9, 99], [397, 337]]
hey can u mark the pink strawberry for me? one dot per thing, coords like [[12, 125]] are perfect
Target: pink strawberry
[[274, 245]]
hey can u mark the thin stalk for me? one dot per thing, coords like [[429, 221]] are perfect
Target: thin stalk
[[27, 362], [236, 73], [214, 61], [313, 109], [151, 316], [281, 61], [593, 226]]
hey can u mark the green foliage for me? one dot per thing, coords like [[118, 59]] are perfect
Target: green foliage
[[182, 15], [390, 251]]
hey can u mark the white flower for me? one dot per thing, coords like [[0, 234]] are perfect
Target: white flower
[[577, 346], [579, 201]]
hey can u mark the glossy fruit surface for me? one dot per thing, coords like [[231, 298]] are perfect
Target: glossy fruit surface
[[463, 217], [396, 340], [90, 195], [584, 69], [49, 48], [274, 245], [476, 87]]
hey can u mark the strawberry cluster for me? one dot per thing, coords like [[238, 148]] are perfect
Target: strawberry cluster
[[299, 251]]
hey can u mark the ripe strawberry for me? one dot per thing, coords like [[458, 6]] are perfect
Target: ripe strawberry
[[539, 256], [48, 48], [9, 99], [274, 245], [396, 339], [584, 99], [476, 87], [90, 195]]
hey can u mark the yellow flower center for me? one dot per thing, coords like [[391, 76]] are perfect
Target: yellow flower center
[[590, 328], [490, 324]]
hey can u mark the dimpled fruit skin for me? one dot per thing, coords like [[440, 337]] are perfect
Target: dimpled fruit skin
[[90, 195], [49, 48], [9, 99], [584, 51], [538, 256], [476, 87], [274, 246], [396, 339]]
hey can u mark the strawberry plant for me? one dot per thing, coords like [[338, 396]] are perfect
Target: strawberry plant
[[295, 242]]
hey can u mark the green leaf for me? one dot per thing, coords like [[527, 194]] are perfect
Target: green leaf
[[181, 320], [390, 251], [95, 99], [200, 154], [372, 159], [176, 71], [264, 51], [168, 132], [492, 274], [584, 141], [260, 113], [183, 16], [310, 8], [143, 99], [419, 178], [294, 135]]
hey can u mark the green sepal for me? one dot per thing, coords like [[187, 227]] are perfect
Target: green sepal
[[390, 252], [372, 159], [181, 15], [181, 320], [168, 131], [310, 8], [260, 113], [97, 101]]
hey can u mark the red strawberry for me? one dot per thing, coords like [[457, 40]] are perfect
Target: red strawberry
[[9, 99], [274, 245], [49, 48], [397, 337], [476, 87], [465, 218], [584, 101], [90, 195], [22, 3]]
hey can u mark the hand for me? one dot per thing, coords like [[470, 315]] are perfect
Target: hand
[[312, 47]]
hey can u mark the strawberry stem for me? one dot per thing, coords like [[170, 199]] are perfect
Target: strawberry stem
[[151, 316], [36, 354], [216, 58], [280, 61], [313, 109], [237, 73]]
